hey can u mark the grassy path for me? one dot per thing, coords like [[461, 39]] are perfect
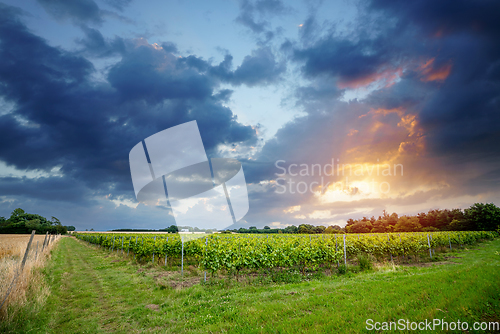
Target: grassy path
[[93, 292]]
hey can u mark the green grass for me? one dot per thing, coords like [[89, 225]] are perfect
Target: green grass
[[92, 294]]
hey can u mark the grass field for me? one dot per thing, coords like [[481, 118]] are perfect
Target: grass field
[[93, 291]]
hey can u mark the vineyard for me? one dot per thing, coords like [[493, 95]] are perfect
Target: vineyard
[[232, 253]]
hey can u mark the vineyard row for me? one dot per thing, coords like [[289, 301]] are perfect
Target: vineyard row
[[236, 252]]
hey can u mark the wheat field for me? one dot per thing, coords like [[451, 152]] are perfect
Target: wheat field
[[12, 250]]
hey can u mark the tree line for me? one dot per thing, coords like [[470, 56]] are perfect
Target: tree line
[[170, 229], [478, 217], [21, 222]]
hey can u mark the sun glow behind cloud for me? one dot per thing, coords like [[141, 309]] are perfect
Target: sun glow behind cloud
[[380, 146]]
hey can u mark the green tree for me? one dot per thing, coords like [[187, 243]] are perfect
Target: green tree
[[381, 226], [407, 224], [363, 226], [291, 229], [33, 224], [320, 229], [172, 229], [332, 229], [306, 229], [484, 217], [17, 213]]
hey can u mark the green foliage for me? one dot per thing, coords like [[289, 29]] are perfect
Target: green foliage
[[407, 224], [22, 222], [342, 269], [291, 229], [172, 229], [484, 217], [311, 229], [255, 230], [33, 224], [233, 253], [334, 229], [17, 213], [364, 262]]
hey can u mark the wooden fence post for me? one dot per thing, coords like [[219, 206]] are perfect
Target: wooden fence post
[[45, 240], [20, 270]]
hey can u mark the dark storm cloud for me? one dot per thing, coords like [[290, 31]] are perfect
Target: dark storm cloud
[[364, 53], [61, 117], [31, 84], [462, 114], [95, 44], [342, 58], [442, 17], [45, 188], [139, 75]]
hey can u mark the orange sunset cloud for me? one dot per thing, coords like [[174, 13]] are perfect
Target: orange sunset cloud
[[434, 74]]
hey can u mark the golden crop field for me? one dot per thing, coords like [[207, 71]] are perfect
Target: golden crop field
[[12, 249], [14, 245]]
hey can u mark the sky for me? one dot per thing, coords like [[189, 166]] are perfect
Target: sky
[[336, 109]]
